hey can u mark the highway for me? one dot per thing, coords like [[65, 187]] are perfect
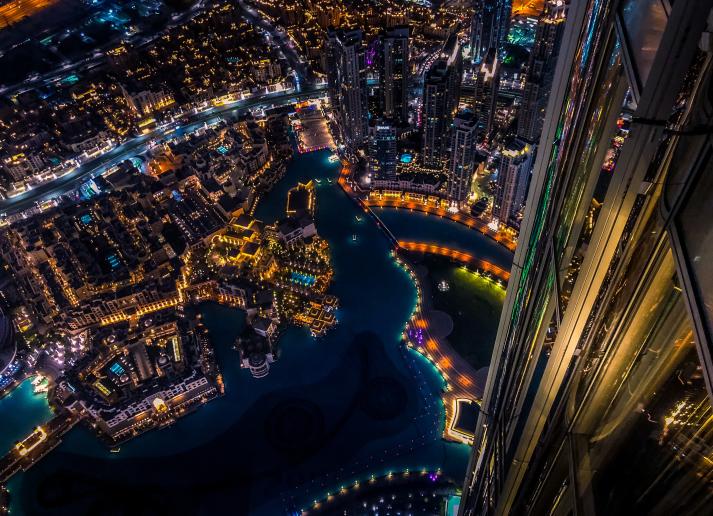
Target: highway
[[16, 10], [278, 34], [305, 89], [93, 61], [139, 145]]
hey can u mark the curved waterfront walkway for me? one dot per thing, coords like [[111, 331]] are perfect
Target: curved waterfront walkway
[[484, 266], [335, 410], [463, 382], [462, 218]]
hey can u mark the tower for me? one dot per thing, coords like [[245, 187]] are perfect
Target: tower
[[489, 27], [516, 160], [487, 80], [597, 399], [540, 70], [441, 92], [462, 160], [346, 79], [382, 150], [394, 74]]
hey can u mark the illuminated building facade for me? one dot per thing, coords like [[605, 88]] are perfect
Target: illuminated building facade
[[394, 74], [516, 160], [489, 27], [540, 70], [441, 93], [487, 81], [382, 151], [462, 161], [346, 80], [145, 102], [598, 396]]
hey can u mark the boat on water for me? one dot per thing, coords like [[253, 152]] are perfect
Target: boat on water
[[115, 450], [354, 238], [329, 180]]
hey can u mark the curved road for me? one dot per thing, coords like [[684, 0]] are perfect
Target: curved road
[[138, 145], [288, 49]]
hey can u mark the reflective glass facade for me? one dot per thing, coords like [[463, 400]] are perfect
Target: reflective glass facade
[[598, 396]]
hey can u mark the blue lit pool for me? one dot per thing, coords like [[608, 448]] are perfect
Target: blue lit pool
[[406, 158], [113, 261], [116, 368], [70, 79], [303, 279]]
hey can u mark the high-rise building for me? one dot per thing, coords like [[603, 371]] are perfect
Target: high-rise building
[[434, 116], [346, 80], [487, 80], [489, 27], [441, 92], [394, 74], [462, 159], [516, 160], [598, 395], [331, 66], [382, 150], [540, 70]]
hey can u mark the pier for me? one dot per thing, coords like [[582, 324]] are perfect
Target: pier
[[39, 443]]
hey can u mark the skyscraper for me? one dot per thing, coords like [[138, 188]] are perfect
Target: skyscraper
[[346, 79], [462, 160], [382, 150], [540, 70], [487, 80], [516, 159], [331, 66], [394, 74], [489, 27], [441, 91], [597, 399]]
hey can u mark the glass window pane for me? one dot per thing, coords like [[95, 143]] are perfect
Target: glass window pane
[[596, 135], [644, 23], [649, 421], [694, 229]]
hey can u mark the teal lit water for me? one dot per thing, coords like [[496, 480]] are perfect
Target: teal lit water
[[332, 410], [20, 412]]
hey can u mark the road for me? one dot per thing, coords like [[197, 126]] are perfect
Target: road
[[139, 144], [97, 59], [278, 34], [16, 10], [305, 88]]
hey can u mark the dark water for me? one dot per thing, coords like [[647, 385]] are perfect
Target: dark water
[[416, 226], [20, 412], [332, 410]]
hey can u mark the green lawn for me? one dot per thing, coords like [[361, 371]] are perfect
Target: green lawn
[[473, 302]]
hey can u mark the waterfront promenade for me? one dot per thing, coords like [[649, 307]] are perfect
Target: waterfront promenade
[[354, 403], [500, 237], [35, 446], [424, 332]]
